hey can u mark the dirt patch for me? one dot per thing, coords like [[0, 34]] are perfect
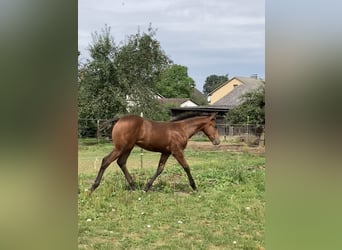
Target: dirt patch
[[207, 146]]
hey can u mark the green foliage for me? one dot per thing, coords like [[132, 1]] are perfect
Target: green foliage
[[141, 59], [100, 94], [228, 211], [126, 79], [212, 82], [252, 108], [120, 79], [139, 63], [164, 113], [175, 82]]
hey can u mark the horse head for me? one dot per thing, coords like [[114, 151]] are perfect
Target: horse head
[[210, 129]]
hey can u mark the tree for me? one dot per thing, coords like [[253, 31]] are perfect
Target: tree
[[165, 111], [100, 93], [139, 63], [212, 82], [253, 107], [175, 82]]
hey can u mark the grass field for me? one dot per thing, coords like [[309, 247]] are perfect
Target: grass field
[[226, 213]]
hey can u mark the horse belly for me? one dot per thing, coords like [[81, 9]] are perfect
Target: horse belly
[[154, 137], [154, 144]]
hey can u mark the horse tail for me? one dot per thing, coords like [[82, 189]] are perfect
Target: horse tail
[[108, 124]]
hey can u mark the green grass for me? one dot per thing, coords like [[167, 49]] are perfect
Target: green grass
[[226, 213]]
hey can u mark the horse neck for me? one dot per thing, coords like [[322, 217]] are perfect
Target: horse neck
[[194, 125]]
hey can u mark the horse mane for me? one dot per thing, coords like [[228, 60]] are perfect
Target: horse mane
[[187, 115]]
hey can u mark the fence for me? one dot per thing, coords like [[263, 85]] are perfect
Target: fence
[[89, 128], [250, 134], [245, 133]]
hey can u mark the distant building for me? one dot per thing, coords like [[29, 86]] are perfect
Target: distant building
[[179, 102], [224, 98], [229, 93], [131, 102]]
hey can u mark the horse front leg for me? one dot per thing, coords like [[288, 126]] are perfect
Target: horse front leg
[[162, 161], [181, 160]]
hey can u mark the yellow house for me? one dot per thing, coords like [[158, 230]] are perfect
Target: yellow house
[[227, 87]]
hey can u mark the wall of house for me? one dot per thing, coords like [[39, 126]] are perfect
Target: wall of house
[[188, 104], [224, 90]]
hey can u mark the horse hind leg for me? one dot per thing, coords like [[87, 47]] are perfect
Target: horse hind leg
[[122, 164], [106, 161]]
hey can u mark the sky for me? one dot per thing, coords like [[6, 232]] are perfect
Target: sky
[[215, 37]]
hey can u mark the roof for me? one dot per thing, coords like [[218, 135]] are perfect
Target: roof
[[196, 91], [243, 79], [177, 101], [249, 80], [203, 109], [233, 98]]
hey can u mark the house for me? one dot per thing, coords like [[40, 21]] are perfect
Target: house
[[224, 98], [131, 101], [229, 93]]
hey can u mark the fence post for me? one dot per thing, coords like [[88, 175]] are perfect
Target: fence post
[[247, 139], [225, 130], [141, 150], [231, 131], [98, 131]]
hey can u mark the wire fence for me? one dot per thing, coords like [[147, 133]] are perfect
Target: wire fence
[[250, 134]]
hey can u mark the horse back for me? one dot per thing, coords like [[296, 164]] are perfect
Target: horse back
[[150, 135], [160, 136]]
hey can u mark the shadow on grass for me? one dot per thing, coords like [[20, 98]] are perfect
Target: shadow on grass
[[160, 187], [169, 187], [138, 185]]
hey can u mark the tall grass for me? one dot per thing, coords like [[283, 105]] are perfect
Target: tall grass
[[226, 213]]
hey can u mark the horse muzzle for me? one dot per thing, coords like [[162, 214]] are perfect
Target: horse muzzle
[[216, 141]]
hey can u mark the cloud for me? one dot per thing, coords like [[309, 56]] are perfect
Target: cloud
[[195, 33]]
